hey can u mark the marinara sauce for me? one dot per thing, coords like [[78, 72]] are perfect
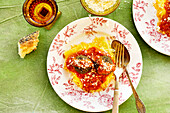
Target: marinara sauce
[[165, 23], [91, 80]]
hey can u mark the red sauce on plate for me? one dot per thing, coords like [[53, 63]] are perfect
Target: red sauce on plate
[[165, 23], [98, 70]]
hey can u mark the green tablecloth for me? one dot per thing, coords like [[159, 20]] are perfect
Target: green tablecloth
[[24, 84]]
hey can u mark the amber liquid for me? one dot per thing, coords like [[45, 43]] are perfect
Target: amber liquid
[[41, 11]]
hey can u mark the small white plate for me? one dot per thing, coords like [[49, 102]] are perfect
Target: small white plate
[[144, 14], [85, 30]]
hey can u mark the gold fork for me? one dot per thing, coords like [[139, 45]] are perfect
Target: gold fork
[[119, 60], [122, 59]]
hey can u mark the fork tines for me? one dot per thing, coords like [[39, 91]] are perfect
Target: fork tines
[[119, 55]]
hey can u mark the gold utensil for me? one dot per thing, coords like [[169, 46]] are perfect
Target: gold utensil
[[139, 104], [119, 59]]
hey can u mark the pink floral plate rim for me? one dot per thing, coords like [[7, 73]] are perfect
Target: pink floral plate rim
[[85, 30], [145, 19]]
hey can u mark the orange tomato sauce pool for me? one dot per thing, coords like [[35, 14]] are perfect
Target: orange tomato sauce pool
[[91, 80]]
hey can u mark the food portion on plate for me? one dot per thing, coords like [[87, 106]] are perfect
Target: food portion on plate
[[91, 64], [75, 37], [28, 43], [163, 14]]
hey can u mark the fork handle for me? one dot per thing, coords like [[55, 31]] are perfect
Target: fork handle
[[115, 108]]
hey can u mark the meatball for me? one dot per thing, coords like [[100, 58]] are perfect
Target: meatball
[[82, 64], [104, 65]]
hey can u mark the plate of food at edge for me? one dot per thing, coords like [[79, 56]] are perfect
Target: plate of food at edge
[[152, 20], [80, 63]]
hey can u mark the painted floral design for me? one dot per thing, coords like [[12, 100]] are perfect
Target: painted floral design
[[77, 94], [58, 43], [106, 100], [69, 31], [55, 67], [90, 29], [88, 104], [55, 79], [146, 20], [123, 79], [119, 32], [140, 7], [152, 31], [121, 99], [121, 35]]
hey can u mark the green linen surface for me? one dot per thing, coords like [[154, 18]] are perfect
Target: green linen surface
[[24, 84]]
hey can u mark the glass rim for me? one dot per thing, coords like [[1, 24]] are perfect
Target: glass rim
[[31, 21], [100, 13]]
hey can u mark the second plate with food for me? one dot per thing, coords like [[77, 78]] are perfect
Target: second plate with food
[[144, 14], [85, 30]]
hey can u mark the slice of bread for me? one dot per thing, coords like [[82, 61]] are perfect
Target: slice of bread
[[28, 43]]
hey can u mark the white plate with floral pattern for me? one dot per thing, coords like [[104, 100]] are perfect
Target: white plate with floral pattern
[[85, 30], [145, 19]]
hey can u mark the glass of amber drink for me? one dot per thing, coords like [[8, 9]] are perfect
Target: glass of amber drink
[[40, 13]]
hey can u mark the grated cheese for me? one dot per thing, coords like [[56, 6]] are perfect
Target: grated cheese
[[100, 5]]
